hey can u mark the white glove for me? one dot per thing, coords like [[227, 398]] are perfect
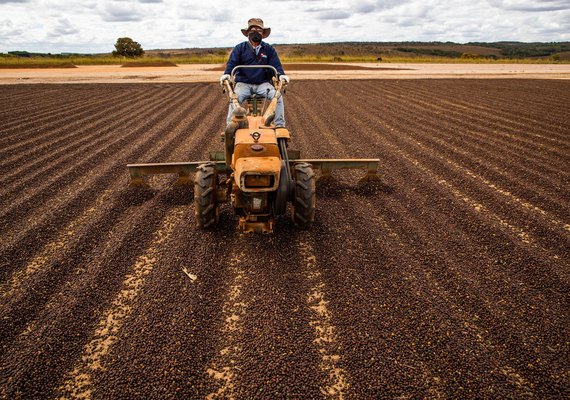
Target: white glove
[[223, 78], [284, 78]]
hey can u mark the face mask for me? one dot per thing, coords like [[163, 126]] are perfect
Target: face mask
[[255, 37]]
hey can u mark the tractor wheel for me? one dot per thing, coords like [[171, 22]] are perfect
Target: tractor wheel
[[304, 200], [205, 192]]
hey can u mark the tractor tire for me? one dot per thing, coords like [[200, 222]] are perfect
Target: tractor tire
[[207, 210], [305, 196]]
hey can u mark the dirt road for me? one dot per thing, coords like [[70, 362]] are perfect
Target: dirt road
[[447, 280], [211, 72]]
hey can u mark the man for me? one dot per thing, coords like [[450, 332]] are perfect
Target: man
[[249, 81]]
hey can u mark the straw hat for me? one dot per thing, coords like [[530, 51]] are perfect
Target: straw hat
[[259, 23]]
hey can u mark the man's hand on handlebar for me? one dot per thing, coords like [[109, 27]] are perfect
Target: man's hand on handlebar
[[223, 78]]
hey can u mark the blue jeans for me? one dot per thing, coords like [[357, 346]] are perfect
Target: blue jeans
[[244, 90]]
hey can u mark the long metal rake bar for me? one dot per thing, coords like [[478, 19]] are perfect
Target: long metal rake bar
[[185, 169]]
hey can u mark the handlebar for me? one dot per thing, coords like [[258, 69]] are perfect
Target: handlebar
[[227, 86], [275, 73]]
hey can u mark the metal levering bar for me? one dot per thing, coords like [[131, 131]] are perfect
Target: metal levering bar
[[326, 166], [183, 169]]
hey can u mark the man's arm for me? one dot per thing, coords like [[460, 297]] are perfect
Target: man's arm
[[233, 60], [274, 61]]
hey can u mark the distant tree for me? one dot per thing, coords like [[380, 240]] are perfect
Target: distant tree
[[127, 47]]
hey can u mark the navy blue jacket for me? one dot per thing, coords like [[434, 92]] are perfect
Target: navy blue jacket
[[244, 54]]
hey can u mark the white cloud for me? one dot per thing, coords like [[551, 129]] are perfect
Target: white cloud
[[121, 12], [333, 14], [364, 7], [8, 30], [534, 6], [63, 28]]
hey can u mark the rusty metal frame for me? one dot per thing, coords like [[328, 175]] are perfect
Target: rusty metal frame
[[326, 166], [183, 169]]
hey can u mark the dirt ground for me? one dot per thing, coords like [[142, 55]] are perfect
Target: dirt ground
[[449, 279], [211, 73]]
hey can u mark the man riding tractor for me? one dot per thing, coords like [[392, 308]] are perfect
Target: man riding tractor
[[255, 81]]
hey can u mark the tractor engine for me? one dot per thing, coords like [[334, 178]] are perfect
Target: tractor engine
[[257, 167]]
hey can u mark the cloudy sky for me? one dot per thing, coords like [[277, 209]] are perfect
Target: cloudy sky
[[88, 26]]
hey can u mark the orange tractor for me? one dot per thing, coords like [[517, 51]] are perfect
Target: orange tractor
[[256, 172]]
